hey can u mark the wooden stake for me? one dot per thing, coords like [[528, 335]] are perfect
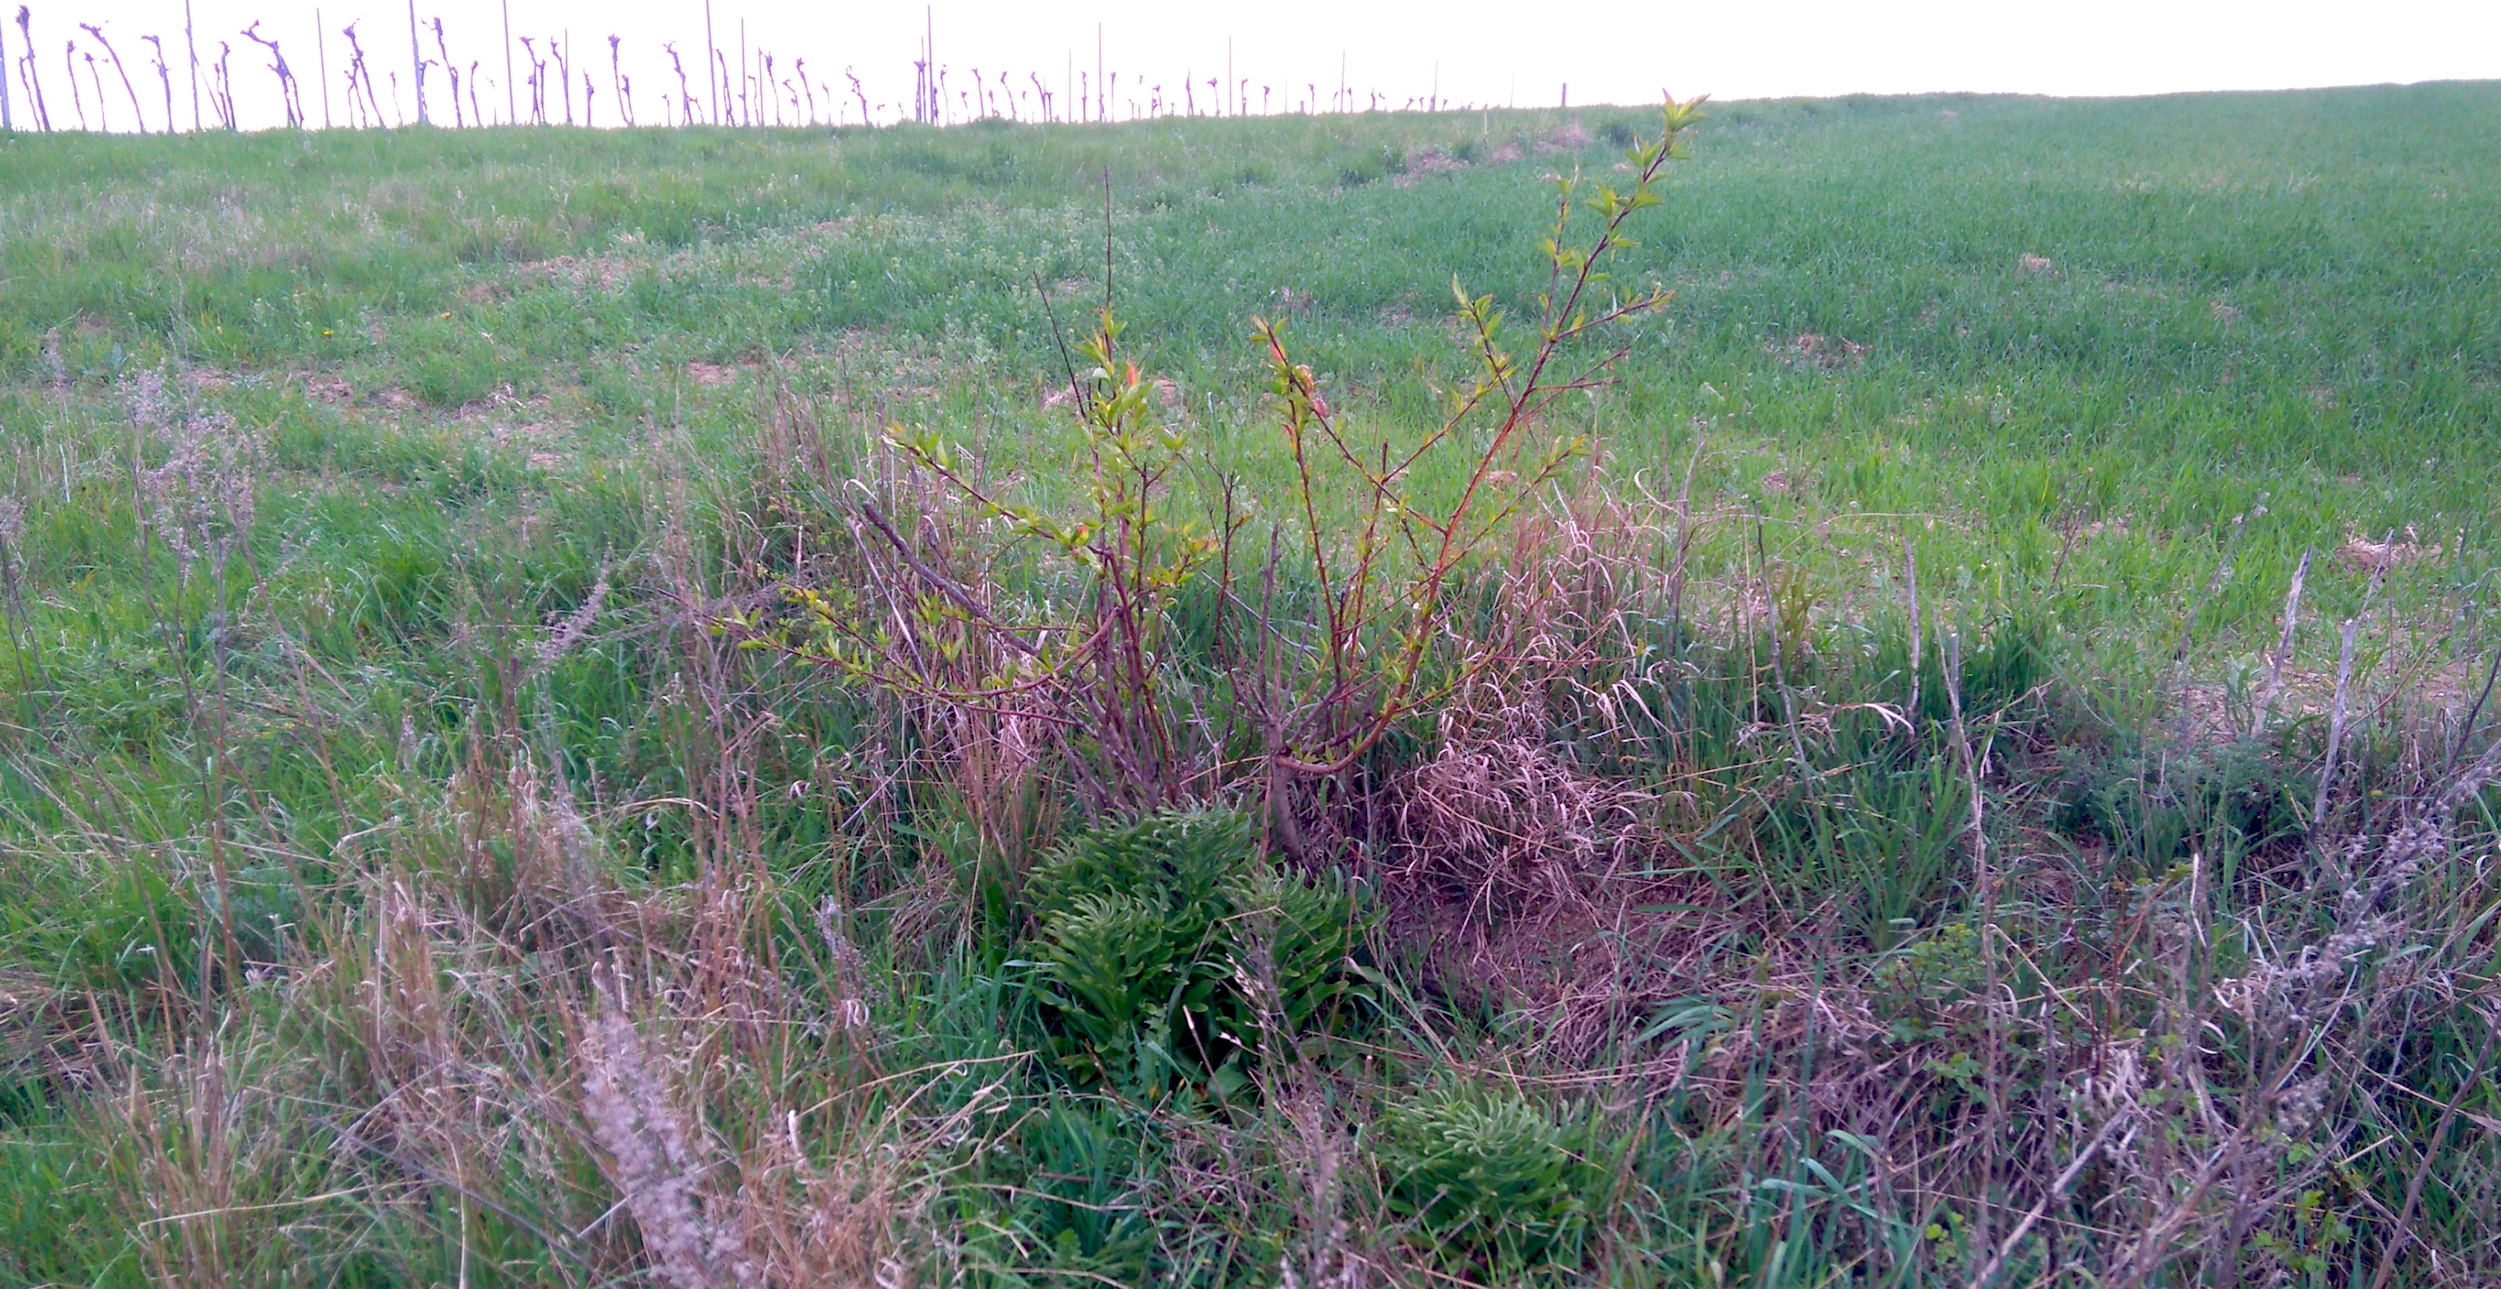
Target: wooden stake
[[190, 49], [512, 104], [321, 65], [417, 62]]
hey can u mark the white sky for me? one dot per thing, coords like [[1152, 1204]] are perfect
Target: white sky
[[1472, 51]]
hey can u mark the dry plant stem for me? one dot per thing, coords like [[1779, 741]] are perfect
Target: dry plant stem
[[2058, 1187], [2336, 716], [2466, 726], [2066, 546], [2265, 705], [946, 585], [1910, 586], [1971, 775], [1059, 338], [2154, 1246], [1986, 882], [1287, 824]]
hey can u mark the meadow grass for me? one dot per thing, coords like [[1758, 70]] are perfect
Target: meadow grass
[[435, 853]]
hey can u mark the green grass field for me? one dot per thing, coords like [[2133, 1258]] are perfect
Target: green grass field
[[433, 849]]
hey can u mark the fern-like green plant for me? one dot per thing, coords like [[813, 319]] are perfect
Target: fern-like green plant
[[1111, 968], [1161, 944], [1298, 932], [1180, 858], [1487, 1177]]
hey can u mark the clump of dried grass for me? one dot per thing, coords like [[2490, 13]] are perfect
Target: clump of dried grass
[[648, 1151], [2389, 552], [730, 1178], [201, 495], [1518, 855], [1500, 814]]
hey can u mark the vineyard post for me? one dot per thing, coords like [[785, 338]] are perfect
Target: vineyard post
[[191, 49], [512, 108], [1099, 94], [711, 60], [321, 64], [8, 122], [417, 62]]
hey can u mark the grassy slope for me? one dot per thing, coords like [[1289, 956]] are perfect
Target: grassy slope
[[470, 354], [2287, 294]]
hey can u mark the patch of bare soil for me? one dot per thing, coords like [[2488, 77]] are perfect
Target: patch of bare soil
[[1057, 394], [2390, 552], [2423, 694], [1426, 164], [1569, 137], [533, 427], [606, 272], [1821, 353], [326, 387], [332, 389]]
